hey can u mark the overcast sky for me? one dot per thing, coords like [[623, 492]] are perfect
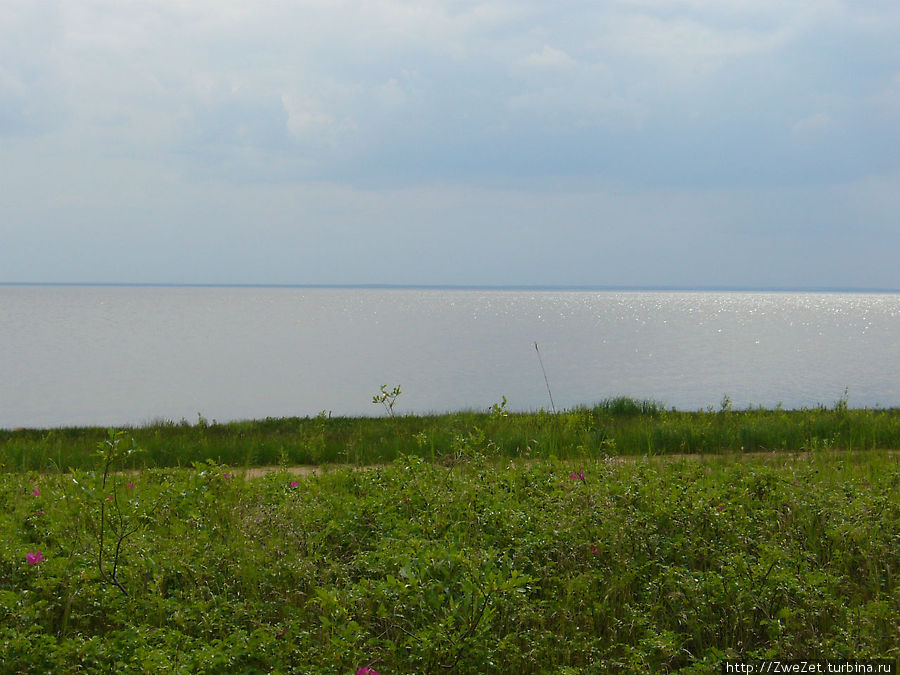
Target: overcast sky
[[475, 142]]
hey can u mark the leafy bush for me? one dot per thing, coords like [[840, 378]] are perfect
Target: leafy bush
[[478, 567]]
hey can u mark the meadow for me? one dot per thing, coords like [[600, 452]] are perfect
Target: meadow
[[618, 538]]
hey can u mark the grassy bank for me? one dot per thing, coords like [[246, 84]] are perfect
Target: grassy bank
[[618, 426], [546, 566]]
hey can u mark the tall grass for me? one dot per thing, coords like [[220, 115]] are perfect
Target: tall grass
[[616, 426]]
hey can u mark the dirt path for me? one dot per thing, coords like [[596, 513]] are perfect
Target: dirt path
[[302, 470], [258, 471]]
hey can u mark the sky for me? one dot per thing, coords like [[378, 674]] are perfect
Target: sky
[[622, 143]]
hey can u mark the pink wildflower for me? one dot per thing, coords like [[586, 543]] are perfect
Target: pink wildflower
[[295, 483], [721, 507], [131, 486], [34, 558], [36, 492], [39, 512], [109, 497], [595, 550], [365, 670], [226, 476], [578, 476]]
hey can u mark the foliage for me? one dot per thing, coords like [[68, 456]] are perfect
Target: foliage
[[483, 566]]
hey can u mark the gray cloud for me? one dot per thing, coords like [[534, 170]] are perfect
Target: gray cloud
[[649, 92], [728, 133]]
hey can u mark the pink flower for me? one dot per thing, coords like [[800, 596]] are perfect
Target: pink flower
[[36, 492], [131, 486], [226, 476], [365, 670], [39, 512], [578, 476], [721, 507], [34, 558], [595, 550], [295, 483], [109, 497]]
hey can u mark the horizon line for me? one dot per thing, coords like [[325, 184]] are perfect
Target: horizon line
[[466, 287]]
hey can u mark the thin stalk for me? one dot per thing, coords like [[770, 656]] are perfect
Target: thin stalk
[[546, 381]]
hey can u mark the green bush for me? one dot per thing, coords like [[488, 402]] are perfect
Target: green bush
[[479, 566]]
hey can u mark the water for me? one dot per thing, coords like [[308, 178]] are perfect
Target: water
[[130, 355]]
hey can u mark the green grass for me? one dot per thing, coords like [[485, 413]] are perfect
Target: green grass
[[617, 426], [472, 546], [647, 565]]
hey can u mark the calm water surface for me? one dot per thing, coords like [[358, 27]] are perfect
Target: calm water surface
[[128, 355]]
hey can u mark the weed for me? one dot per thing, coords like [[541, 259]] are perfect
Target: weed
[[387, 398], [547, 566]]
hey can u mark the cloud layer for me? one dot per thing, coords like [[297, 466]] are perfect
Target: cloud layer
[[760, 126]]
